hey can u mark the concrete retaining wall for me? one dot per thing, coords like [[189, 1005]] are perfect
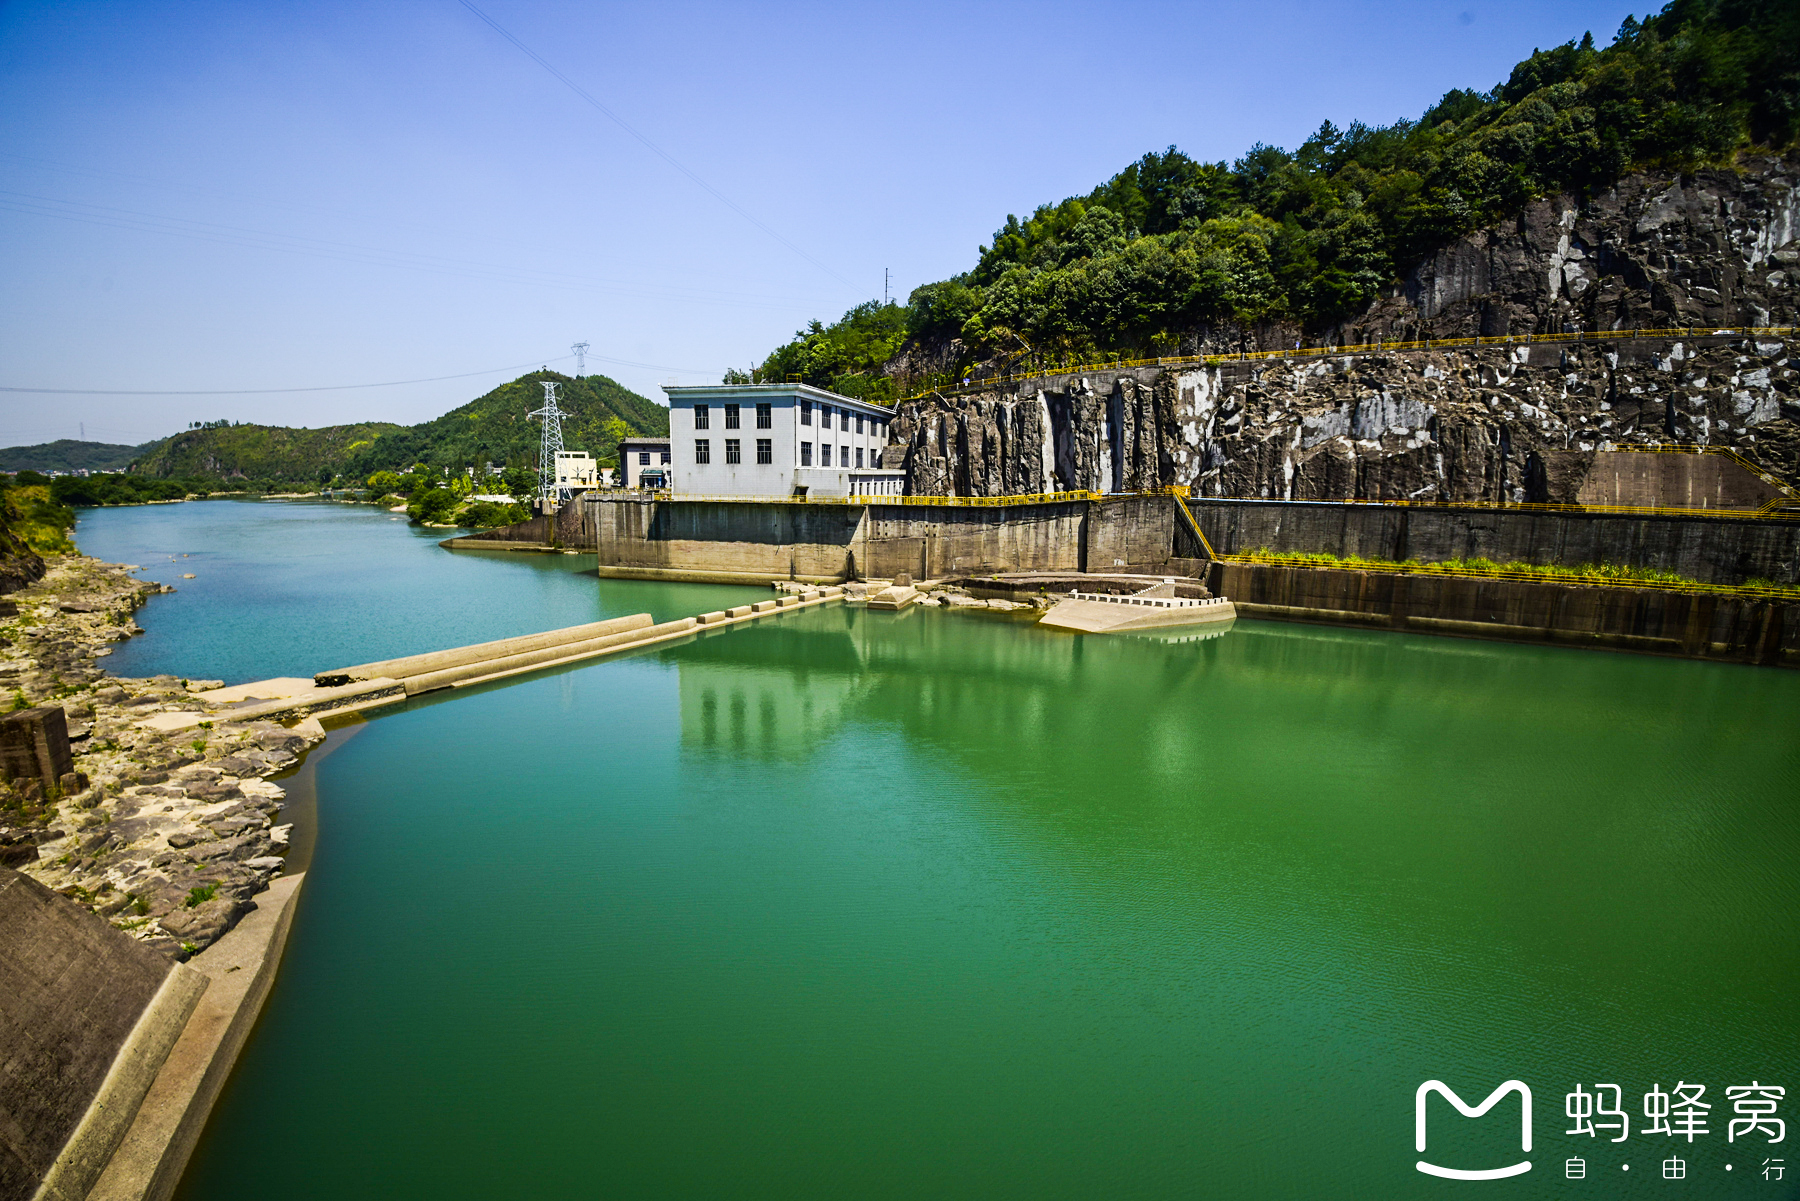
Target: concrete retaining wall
[[757, 541], [1669, 623], [1712, 550], [87, 1017]]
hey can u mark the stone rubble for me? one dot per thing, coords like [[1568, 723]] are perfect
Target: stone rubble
[[169, 834]]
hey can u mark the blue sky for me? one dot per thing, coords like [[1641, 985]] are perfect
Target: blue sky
[[211, 196]]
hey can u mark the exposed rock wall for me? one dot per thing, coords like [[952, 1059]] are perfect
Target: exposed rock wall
[[1512, 422], [1515, 421], [1657, 251]]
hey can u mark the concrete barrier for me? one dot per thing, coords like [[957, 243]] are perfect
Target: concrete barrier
[[432, 661], [562, 652]]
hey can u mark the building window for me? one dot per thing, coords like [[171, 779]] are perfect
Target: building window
[[824, 454], [844, 420], [765, 450], [765, 417], [702, 450], [843, 456], [643, 458], [665, 457], [733, 453], [731, 417], [859, 456], [702, 417], [806, 454], [806, 412], [859, 423]]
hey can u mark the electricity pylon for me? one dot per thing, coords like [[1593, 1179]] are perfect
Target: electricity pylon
[[552, 444]]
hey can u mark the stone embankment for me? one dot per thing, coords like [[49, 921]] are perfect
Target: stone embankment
[[168, 833]]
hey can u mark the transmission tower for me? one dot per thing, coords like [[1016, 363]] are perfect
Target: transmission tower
[[580, 349], [552, 444]]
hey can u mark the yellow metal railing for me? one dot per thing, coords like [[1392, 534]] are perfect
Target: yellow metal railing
[[1379, 347], [1180, 492]]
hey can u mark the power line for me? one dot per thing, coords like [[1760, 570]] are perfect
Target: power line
[[652, 146], [109, 217], [398, 383], [276, 391]]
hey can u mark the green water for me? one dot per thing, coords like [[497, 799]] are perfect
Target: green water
[[855, 904]]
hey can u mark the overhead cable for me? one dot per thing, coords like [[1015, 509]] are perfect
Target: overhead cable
[[535, 57]]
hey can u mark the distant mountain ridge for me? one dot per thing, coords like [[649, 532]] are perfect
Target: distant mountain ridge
[[68, 454], [494, 428]]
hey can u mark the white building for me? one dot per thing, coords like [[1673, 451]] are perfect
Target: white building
[[574, 471], [644, 462], [777, 440]]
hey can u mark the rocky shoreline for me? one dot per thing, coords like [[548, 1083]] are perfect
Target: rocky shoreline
[[167, 833]]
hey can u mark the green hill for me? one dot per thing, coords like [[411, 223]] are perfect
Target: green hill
[[261, 452], [66, 454], [1173, 252], [496, 428], [493, 428]]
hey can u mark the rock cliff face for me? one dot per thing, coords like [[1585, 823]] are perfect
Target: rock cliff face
[[1519, 422], [1656, 252], [1514, 421]]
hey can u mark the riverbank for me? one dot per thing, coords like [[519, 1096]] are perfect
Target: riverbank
[[168, 833]]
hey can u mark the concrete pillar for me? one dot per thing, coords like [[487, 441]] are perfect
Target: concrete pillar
[[34, 744]]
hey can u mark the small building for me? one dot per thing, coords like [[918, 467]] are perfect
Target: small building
[[790, 440], [643, 462], [574, 471]]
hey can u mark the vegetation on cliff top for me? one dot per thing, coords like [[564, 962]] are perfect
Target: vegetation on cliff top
[[1171, 249]]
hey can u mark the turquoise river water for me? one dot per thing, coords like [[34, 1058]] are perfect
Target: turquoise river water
[[930, 904]]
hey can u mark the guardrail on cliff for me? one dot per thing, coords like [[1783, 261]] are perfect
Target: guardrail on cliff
[[1377, 347]]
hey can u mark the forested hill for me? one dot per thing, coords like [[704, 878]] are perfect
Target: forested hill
[[1176, 256], [491, 429], [273, 453], [496, 428], [66, 454]]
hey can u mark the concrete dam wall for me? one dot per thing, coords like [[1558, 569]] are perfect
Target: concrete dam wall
[[1711, 550], [758, 541], [755, 541], [1731, 628]]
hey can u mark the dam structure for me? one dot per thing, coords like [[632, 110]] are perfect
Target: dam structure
[[1708, 518]]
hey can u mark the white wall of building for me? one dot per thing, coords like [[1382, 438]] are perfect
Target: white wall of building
[[796, 435]]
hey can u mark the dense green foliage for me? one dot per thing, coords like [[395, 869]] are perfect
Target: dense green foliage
[[66, 454], [122, 489], [261, 457], [1171, 248], [31, 516]]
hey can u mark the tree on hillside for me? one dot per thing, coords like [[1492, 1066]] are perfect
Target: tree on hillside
[[1308, 237]]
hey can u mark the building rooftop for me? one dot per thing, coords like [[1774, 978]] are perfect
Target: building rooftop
[[750, 391]]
